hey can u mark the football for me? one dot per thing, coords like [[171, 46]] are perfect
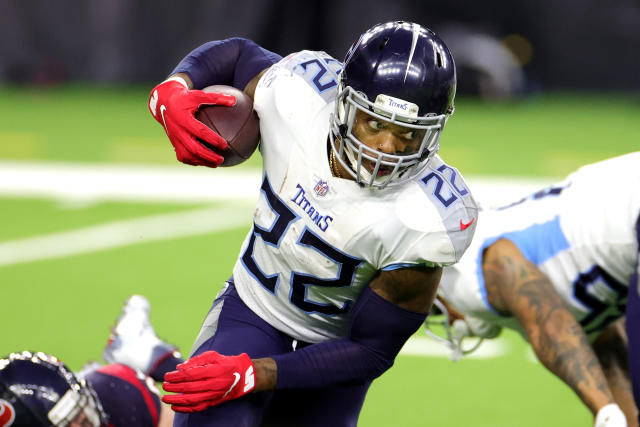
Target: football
[[238, 125]]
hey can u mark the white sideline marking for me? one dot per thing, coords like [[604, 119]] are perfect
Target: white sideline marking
[[122, 233], [99, 182], [183, 184]]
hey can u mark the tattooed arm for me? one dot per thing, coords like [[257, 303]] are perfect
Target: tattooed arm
[[516, 287], [611, 349]]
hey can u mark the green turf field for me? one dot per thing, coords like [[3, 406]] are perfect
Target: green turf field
[[65, 305]]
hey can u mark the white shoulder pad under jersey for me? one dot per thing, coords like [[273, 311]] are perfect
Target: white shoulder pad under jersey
[[581, 232], [318, 240]]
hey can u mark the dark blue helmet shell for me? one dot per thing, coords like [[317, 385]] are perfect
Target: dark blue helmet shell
[[33, 383], [403, 60]]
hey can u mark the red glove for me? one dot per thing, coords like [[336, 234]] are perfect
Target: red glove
[[208, 379], [174, 107]]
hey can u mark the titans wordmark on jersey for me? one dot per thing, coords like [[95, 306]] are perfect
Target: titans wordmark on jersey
[[317, 240], [581, 232]]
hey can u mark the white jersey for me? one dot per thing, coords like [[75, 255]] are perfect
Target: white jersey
[[581, 232], [318, 240]]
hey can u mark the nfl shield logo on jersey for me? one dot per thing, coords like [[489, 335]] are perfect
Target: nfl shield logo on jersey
[[321, 188]]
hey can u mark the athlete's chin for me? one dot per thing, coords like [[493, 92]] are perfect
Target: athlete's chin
[[382, 171]]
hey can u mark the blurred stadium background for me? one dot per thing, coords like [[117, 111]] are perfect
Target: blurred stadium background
[[95, 207]]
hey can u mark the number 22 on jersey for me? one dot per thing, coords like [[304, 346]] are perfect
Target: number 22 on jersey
[[273, 236]]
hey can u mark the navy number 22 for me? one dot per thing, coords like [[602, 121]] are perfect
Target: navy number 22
[[347, 265]]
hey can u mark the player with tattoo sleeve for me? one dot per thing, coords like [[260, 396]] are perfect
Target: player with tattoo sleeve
[[356, 217], [557, 266]]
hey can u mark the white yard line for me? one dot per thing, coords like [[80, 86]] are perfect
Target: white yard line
[[123, 233]]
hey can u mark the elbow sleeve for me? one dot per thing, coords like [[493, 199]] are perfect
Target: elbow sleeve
[[378, 331], [233, 62]]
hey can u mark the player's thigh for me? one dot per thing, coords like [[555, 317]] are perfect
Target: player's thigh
[[336, 406], [248, 411], [231, 328]]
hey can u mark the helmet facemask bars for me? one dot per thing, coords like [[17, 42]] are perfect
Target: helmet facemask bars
[[78, 404], [402, 78], [372, 167]]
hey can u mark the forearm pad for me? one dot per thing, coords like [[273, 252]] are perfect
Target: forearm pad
[[232, 62], [378, 331]]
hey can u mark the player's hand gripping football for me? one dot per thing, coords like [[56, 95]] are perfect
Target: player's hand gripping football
[[174, 106], [208, 379]]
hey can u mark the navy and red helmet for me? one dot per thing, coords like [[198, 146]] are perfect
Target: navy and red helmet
[[37, 390], [402, 73]]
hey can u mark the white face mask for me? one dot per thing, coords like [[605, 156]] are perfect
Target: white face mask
[[76, 408], [372, 167]]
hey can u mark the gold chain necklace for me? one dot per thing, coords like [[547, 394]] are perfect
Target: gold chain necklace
[[333, 164]]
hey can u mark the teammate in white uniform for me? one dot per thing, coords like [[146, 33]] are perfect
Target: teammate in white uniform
[[356, 218], [556, 266]]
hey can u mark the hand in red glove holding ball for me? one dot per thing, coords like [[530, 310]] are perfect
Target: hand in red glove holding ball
[[174, 106]]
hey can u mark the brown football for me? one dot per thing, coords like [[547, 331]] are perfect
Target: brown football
[[238, 125]]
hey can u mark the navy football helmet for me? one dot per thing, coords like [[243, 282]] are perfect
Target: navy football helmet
[[38, 390], [398, 72]]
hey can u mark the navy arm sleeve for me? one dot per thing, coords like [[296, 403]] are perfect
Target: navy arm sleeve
[[232, 62], [378, 331]]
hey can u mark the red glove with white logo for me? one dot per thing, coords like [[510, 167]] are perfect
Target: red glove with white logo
[[208, 379], [174, 106]]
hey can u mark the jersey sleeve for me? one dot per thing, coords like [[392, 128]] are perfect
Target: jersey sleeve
[[290, 96], [435, 219], [309, 74]]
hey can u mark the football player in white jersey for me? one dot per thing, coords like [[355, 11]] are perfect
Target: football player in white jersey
[[356, 217], [556, 266]]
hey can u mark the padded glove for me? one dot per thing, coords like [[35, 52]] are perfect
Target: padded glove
[[208, 379], [174, 106]]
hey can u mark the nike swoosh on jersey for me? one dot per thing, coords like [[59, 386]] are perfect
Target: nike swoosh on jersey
[[464, 226], [235, 381]]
